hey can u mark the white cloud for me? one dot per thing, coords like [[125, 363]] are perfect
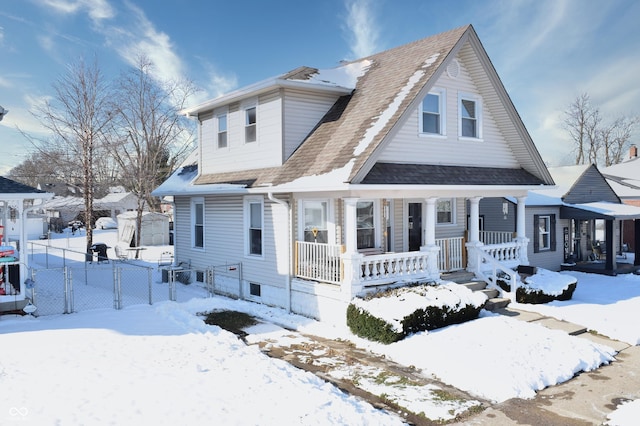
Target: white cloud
[[97, 10], [362, 28]]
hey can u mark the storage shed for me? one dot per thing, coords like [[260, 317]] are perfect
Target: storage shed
[[154, 230]]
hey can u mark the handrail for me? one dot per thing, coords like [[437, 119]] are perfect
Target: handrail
[[483, 257]]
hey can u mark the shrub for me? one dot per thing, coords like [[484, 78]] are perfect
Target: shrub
[[363, 324], [392, 315]]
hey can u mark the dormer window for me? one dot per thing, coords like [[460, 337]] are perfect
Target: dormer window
[[222, 131], [470, 121], [432, 113], [250, 124]]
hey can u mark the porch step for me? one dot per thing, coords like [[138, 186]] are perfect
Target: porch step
[[491, 293], [474, 285], [496, 303]]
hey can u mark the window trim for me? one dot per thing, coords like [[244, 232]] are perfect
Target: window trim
[[453, 212], [248, 201], [331, 234], [376, 222], [479, 113], [441, 93], [194, 203], [254, 124], [226, 131], [537, 235]]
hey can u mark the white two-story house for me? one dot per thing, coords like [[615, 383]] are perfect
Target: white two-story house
[[327, 184]]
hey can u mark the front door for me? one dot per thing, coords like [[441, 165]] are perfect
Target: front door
[[414, 227]]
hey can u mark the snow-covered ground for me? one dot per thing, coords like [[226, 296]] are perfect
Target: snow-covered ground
[[161, 364]]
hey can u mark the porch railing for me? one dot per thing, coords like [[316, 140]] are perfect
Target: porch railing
[[496, 237], [318, 261], [452, 254], [389, 267]]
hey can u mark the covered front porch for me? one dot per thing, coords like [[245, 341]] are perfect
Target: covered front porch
[[370, 256]]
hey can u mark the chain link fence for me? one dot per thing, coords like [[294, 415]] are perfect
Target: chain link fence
[[62, 283], [225, 280]]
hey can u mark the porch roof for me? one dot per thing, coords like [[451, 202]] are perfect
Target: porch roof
[[427, 174], [600, 210]]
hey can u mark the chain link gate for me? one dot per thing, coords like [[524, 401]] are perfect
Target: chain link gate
[[225, 280]]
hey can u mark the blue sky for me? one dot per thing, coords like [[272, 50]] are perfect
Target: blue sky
[[545, 51]]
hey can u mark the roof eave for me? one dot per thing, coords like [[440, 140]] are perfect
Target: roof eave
[[263, 87]]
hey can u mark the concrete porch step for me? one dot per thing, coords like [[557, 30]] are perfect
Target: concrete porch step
[[491, 293], [474, 285], [496, 303]]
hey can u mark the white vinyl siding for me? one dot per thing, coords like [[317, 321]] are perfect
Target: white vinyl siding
[[225, 244], [302, 112], [266, 151], [451, 150]]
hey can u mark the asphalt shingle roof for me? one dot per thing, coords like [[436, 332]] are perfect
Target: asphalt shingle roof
[[8, 186], [426, 174]]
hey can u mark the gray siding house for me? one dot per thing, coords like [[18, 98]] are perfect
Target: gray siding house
[[329, 184]]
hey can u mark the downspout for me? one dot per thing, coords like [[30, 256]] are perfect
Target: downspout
[[290, 244]]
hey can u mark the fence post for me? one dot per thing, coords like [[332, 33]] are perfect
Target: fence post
[[240, 281], [210, 281], [172, 285], [150, 287], [117, 289], [67, 293]]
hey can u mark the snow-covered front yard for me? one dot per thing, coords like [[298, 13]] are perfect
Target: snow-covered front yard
[[162, 364]]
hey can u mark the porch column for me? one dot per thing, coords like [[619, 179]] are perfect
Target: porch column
[[474, 234], [636, 242], [430, 246], [521, 230], [351, 259]]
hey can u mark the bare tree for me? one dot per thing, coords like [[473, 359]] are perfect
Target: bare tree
[[77, 116], [594, 140], [152, 137], [615, 137]]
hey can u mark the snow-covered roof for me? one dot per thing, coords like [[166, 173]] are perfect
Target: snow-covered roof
[[613, 210], [341, 80]]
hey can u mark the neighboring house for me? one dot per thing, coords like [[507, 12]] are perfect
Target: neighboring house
[[16, 202], [577, 221], [327, 184], [624, 178], [68, 208]]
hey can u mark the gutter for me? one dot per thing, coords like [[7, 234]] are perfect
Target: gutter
[[287, 283]]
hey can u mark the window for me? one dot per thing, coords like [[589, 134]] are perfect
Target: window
[[254, 212], [365, 224], [255, 289], [250, 124], [432, 119], [444, 211], [544, 234], [315, 221], [470, 124], [197, 220], [222, 131]]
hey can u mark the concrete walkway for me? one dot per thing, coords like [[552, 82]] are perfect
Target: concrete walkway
[[586, 399]]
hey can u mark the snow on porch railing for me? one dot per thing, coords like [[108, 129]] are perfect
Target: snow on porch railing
[[389, 267], [318, 261], [496, 237]]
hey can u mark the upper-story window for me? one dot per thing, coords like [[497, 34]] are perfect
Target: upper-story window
[[250, 124], [222, 131], [432, 113], [470, 113]]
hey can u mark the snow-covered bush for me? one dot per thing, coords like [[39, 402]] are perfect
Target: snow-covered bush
[[542, 286], [393, 314]]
